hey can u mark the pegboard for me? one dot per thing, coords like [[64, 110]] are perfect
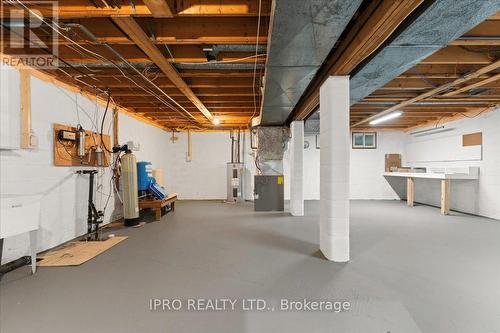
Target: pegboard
[[66, 152]]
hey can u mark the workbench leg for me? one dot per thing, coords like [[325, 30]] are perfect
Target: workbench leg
[[445, 196], [1, 249], [172, 206], [33, 246], [410, 191], [158, 213]]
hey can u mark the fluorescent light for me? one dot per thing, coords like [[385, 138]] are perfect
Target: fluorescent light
[[427, 130], [432, 131], [385, 118], [216, 121]]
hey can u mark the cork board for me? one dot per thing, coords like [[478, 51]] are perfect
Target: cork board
[[66, 152], [76, 253], [473, 139], [392, 161]]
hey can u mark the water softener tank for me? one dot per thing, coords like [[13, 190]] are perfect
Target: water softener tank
[[129, 187], [144, 175]]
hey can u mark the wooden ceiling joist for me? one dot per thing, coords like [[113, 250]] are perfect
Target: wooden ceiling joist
[[457, 55], [76, 9], [159, 8], [434, 91], [481, 83], [135, 33]]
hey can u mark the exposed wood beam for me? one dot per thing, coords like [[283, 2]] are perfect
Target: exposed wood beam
[[217, 8], [454, 117], [476, 42], [75, 9], [159, 8], [163, 82], [110, 73], [372, 28], [457, 55], [474, 85], [207, 92], [185, 102], [181, 30], [434, 91], [135, 32], [420, 76], [488, 27]]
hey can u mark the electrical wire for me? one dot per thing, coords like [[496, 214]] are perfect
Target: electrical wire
[[102, 124], [99, 186], [466, 115], [226, 61], [110, 61], [477, 114], [77, 111]]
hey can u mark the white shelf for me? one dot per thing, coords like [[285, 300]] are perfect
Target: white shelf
[[451, 173]]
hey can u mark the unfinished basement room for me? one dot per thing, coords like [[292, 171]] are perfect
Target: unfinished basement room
[[250, 166]]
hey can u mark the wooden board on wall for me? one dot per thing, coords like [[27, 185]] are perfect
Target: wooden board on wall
[[473, 139], [66, 152]]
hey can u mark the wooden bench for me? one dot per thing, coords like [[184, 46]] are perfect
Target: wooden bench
[[157, 205]]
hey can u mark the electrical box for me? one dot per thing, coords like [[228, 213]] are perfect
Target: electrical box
[[269, 193], [235, 182]]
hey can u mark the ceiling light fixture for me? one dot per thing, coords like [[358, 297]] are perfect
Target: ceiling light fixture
[[385, 118], [216, 121]]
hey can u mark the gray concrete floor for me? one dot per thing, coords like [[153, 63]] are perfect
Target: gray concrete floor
[[411, 270]]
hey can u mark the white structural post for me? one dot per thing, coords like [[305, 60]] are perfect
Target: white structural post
[[297, 169], [334, 168]]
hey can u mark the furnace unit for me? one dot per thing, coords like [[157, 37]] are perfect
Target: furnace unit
[[269, 193]]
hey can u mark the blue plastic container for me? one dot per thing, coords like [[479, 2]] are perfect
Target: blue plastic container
[[144, 175]]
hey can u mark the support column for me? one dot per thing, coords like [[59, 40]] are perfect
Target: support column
[[445, 196], [297, 169], [410, 191], [334, 168]]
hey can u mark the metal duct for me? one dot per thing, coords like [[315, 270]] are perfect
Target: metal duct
[[217, 48], [440, 23], [271, 142], [303, 32], [311, 126], [235, 146]]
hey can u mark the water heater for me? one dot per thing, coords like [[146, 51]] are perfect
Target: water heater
[[129, 188], [235, 182]]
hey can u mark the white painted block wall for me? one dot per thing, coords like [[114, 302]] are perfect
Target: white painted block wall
[[64, 202], [480, 197], [367, 166]]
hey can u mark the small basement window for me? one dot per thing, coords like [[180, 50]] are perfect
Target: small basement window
[[364, 140]]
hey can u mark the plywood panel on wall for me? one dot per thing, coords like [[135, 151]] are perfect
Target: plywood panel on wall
[[66, 153], [473, 139]]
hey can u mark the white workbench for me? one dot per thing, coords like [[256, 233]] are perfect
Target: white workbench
[[443, 174], [18, 215]]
